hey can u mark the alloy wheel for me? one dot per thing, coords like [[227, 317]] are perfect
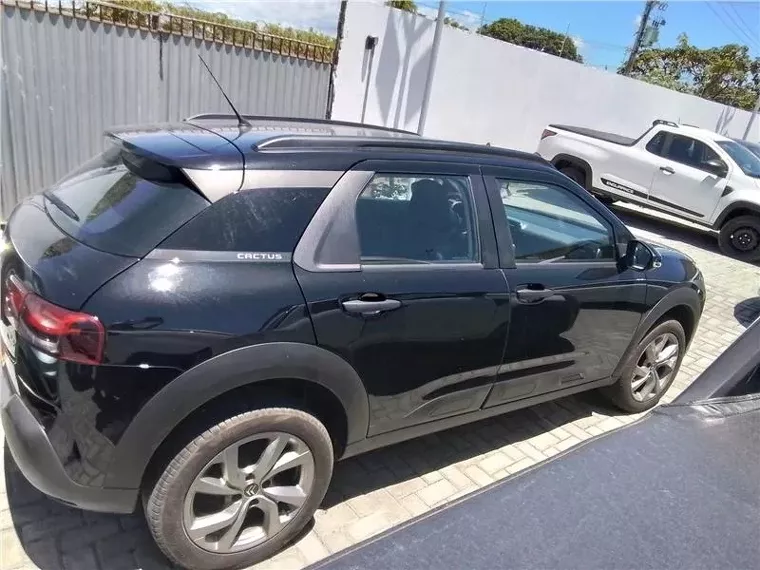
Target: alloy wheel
[[655, 367], [249, 492]]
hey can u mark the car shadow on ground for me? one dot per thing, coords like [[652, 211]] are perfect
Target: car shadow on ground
[[55, 536], [414, 458], [747, 311]]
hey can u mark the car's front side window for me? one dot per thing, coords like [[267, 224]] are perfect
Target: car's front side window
[[691, 152], [403, 218], [549, 224]]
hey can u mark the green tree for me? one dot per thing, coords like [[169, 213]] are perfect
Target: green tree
[[406, 5], [726, 74], [454, 24], [541, 39]]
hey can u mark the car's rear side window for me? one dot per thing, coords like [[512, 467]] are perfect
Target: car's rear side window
[[108, 207], [261, 220]]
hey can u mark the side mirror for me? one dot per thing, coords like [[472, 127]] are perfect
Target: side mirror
[[640, 256], [717, 167]]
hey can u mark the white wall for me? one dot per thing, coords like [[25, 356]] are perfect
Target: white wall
[[485, 90]]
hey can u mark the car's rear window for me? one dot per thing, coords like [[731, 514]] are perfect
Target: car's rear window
[[109, 207], [265, 219]]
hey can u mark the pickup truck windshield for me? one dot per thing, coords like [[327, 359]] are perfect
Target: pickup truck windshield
[[748, 162]]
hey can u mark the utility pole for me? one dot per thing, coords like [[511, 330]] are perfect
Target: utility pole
[[564, 42], [639, 35], [431, 69]]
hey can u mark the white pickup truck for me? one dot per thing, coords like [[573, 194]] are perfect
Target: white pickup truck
[[685, 171]]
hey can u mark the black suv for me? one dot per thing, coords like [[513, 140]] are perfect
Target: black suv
[[207, 315]]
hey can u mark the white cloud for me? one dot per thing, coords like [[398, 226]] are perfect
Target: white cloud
[[578, 41], [321, 15]]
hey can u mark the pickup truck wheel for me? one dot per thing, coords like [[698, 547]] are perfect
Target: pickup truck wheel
[[577, 175], [574, 174], [740, 238], [241, 490], [650, 369]]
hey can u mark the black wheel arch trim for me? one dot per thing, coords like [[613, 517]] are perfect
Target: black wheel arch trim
[[220, 374], [587, 170], [740, 205], [684, 296]]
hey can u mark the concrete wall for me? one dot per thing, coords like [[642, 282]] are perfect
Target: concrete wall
[[486, 90]]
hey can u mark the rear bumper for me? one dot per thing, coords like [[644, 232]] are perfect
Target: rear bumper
[[34, 454]]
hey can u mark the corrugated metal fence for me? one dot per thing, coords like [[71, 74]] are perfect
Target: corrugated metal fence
[[67, 75]]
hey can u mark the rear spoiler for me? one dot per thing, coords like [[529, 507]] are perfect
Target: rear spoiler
[[209, 183]]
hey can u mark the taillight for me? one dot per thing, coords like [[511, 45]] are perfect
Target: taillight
[[547, 133], [67, 335]]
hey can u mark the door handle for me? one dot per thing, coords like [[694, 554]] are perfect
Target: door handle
[[371, 307], [667, 170], [528, 295]]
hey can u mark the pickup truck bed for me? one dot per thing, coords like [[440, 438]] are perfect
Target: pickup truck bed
[[602, 135]]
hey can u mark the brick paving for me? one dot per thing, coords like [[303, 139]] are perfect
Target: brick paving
[[376, 491]]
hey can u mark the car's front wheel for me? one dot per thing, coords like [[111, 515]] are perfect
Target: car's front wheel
[[241, 490], [650, 369], [740, 238]]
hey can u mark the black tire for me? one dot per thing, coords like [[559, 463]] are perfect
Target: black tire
[[740, 238], [579, 176], [621, 393], [165, 502], [574, 174]]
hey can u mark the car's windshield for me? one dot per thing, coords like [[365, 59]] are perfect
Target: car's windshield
[[743, 157], [754, 148]]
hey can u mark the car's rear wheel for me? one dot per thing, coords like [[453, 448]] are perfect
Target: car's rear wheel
[[241, 490], [574, 174], [577, 175], [650, 369], [740, 238]]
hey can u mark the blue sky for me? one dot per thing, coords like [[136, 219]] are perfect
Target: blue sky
[[601, 29]]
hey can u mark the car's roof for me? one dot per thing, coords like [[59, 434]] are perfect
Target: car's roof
[[219, 142]]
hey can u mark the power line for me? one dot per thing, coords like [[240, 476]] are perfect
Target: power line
[[730, 28], [744, 24]]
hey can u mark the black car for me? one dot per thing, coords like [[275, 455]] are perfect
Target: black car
[[210, 313], [679, 488]]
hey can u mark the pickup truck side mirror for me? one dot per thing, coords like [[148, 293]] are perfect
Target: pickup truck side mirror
[[717, 167], [640, 256]]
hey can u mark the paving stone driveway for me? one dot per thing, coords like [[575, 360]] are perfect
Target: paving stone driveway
[[374, 492]]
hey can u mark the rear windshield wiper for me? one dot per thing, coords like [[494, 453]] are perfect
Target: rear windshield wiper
[[61, 205]]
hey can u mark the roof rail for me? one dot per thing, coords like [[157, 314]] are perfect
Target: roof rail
[[219, 116], [423, 144], [664, 122]]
